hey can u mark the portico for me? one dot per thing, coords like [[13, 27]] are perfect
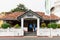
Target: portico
[[33, 19]]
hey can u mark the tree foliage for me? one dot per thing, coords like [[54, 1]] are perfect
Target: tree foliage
[[52, 25], [20, 8], [5, 25], [43, 25]]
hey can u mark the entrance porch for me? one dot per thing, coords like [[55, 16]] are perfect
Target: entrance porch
[[30, 25]]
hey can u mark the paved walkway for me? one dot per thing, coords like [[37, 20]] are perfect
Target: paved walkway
[[29, 38], [30, 33]]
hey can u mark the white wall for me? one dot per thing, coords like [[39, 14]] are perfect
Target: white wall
[[56, 4], [49, 32], [44, 32], [58, 22], [25, 29], [57, 10], [11, 32]]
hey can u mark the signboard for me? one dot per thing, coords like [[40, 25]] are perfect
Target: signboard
[[29, 15]]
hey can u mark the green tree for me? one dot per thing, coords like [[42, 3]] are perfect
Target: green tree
[[20, 8]]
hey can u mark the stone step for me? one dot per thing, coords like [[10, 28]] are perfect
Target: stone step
[[29, 33]]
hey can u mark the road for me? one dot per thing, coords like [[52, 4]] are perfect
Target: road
[[29, 38]]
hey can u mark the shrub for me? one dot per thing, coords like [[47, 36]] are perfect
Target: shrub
[[52, 25], [17, 26], [43, 25], [58, 25], [5, 25]]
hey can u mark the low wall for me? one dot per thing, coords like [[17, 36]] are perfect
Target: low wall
[[49, 32], [44, 32], [55, 32], [25, 29], [19, 32], [11, 32]]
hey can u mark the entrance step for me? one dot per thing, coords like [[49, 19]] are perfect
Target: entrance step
[[29, 33]]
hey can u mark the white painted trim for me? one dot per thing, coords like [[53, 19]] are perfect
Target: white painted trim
[[22, 26], [38, 21]]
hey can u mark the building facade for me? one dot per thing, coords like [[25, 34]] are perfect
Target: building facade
[[29, 21]]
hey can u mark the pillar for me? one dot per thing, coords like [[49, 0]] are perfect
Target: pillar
[[38, 27], [22, 21]]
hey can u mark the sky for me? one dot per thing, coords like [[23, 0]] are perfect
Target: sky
[[34, 5], [7, 5]]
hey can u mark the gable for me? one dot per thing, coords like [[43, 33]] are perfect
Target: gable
[[29, 14]]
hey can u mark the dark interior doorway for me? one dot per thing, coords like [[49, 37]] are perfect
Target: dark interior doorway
[[31, 24]]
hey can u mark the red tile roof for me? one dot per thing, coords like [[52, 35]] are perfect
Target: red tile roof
[[50, 17], [14, 16]]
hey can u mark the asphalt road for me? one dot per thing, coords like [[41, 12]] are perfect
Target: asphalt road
[[29, 38]]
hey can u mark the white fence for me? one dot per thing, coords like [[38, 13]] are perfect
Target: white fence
[[19, 32], [11, 32], [49, 32]]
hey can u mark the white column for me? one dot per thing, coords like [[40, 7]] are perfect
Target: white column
[[22, 21], [38, 27]]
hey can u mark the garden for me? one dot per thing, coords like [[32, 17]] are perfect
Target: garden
[[7, 25], [7, 30], [51, 29], [50, 25]]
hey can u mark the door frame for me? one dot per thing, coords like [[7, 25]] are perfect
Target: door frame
[[38, 25]]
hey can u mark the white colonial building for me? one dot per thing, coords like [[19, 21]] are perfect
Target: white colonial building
[[30, 22]]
